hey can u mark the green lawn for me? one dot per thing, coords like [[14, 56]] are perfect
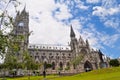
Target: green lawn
[[32, 78], [102, 74]]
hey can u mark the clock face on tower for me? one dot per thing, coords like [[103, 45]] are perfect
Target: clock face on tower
[[21, 24]]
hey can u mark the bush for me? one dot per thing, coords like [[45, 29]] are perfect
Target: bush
[[48, 65], [114, 62]]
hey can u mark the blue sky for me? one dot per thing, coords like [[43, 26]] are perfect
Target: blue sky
[[95, 20]]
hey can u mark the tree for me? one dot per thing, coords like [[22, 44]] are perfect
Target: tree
[[114, 62], [3, 43], [76, 60], [48, 66], [9, 45], [3, 69], [29, 63], [6, 22]]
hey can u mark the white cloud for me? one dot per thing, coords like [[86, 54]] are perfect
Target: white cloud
[[46, 29], [114, 23], [76, 24], [98, 39], [49, 29], [108, 7], [92, 1], [102, 12], [107, 13], [113, 11], [109, 3], [110, 40], [63, 12], [92, 34], [81, 5]]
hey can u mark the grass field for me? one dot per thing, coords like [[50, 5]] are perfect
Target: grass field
[[102, 74]]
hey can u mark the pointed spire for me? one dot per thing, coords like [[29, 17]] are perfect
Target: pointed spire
[[80, 39], [100, 55], [72, 34], [18, 13], [24, 13], [87, 43], [100, 52], [24, 9]]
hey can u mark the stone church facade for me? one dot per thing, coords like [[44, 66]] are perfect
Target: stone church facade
[[59, 56]]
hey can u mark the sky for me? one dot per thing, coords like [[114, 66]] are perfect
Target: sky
[[95, 20]]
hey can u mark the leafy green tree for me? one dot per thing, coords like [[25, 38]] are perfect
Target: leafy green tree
[[60, 68], [76, 60], [6, 22], [114, 62], [3, 44], [67, 68], [29, 63], [48, 66], [9, 45]]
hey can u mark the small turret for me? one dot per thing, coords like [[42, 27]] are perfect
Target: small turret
[[100, 55], [24, 10], [81, 41], [87, 43], [18, 13]]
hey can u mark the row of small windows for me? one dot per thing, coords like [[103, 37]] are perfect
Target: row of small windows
[[43, 47], [51, 57], [53, 54]]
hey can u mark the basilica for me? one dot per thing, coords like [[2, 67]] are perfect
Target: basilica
[[78, 55]]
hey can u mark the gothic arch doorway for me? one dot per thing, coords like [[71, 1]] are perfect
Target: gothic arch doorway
[[88, 66], [53, 65]]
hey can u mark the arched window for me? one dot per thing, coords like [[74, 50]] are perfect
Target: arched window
[[74, 66], [53, 65], [61, 65], [45, 63], [21, 24], [68, 65]]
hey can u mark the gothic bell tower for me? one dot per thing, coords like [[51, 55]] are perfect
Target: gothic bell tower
[[21, 27], [73, 42]]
